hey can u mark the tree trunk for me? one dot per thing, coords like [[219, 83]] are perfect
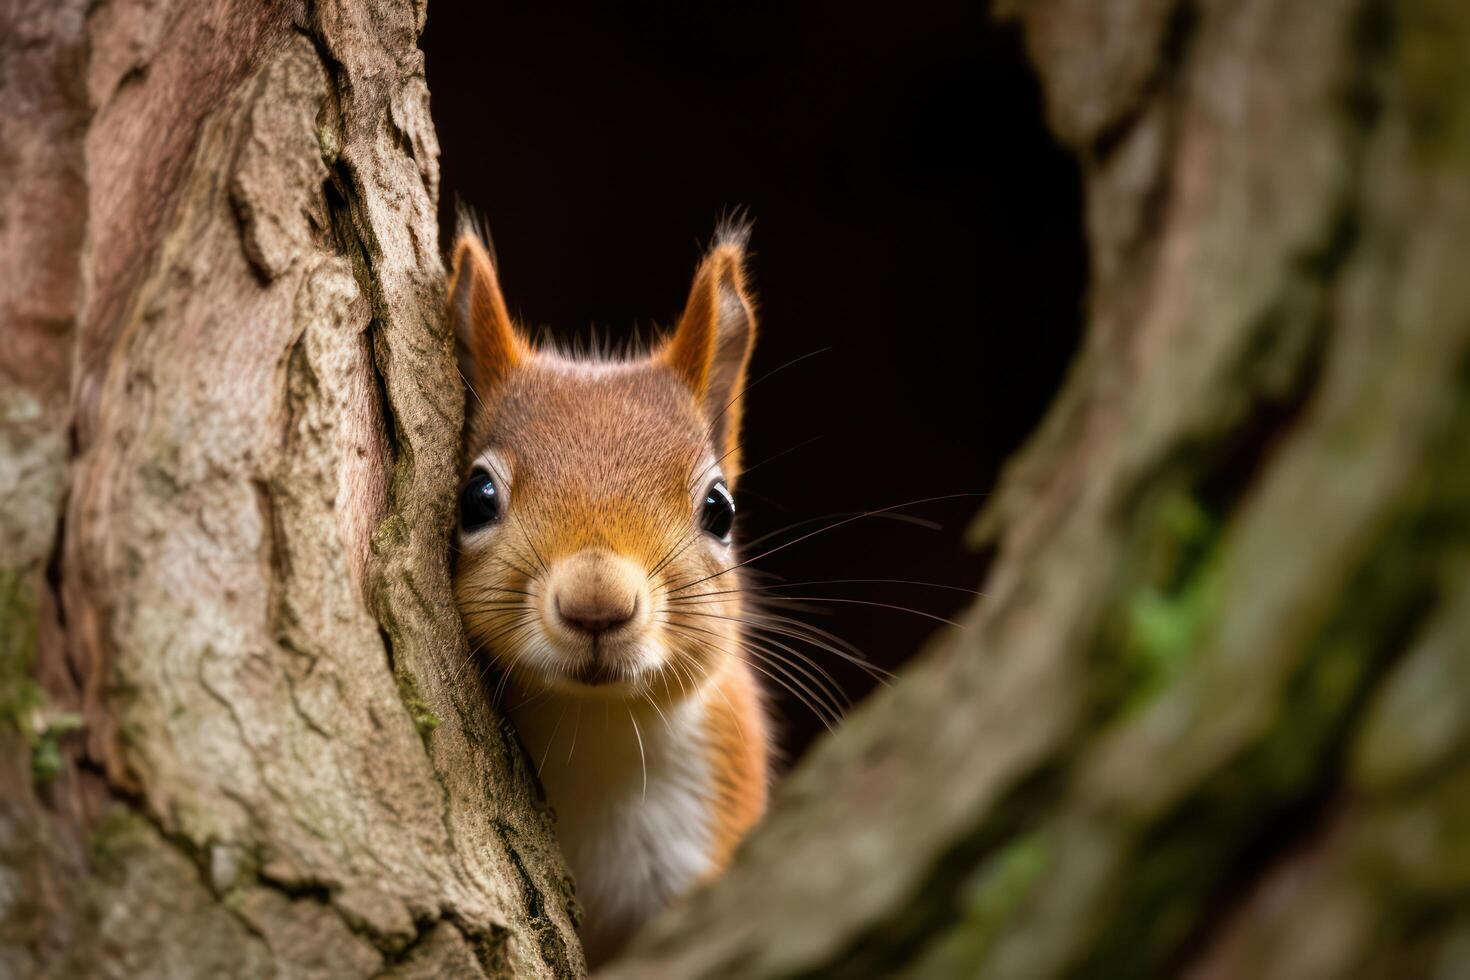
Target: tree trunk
[[241, 736], [1212, 716]]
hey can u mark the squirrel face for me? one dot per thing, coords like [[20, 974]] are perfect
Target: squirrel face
[[594, 543]]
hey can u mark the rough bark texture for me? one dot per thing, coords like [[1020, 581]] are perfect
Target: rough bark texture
[[1212, 716], [238, 732]]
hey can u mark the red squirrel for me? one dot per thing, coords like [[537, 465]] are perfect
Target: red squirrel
[[596, 570]]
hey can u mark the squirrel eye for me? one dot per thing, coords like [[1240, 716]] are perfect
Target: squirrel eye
[[718, 514], [479, 502]]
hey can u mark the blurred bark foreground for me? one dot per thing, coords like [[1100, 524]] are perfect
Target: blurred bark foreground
[[1212, 717], [237, 737]]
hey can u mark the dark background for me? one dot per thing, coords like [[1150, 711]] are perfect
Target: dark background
[[911, 213]]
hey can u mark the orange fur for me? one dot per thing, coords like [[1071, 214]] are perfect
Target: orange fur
[[710, 351], [601, 468], [477, 307], [740, 757]]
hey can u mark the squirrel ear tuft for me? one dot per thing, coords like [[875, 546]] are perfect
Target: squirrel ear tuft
[[711, 348], [489, 345]]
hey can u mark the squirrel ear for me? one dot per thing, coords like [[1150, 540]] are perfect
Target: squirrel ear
[[488, 343], [711, 347]]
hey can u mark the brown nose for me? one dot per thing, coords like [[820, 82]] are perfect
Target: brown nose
[[594, 613], [595, 591]]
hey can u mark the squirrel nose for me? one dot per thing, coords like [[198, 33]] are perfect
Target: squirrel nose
[[595, 592], [594, 616]]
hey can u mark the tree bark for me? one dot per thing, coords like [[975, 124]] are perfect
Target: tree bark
[[1211, 717], [241, 733]]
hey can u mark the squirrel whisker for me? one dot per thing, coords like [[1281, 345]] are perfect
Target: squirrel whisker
[[797, 630], [547, 751], [741, 393], [832, 581], [810, 698], [642, 756], [745, 470], [576, 726], [857, 602], [821, 530], [671, 554], [805, 699], [474, 650], [921, 522]]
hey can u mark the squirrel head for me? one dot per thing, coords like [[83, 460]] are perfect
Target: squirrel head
[[595, 512]]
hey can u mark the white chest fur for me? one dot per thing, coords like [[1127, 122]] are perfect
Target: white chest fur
[[631, 789]]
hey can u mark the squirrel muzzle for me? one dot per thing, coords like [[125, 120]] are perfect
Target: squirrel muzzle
[[597, 603]]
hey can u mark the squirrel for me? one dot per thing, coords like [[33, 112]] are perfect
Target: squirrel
[[596, 569]]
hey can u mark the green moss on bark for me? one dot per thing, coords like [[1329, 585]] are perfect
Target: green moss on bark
[[1166, 614], [24, 708]]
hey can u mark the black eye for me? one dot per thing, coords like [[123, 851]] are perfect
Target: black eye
[[718, 513], [479, 502]]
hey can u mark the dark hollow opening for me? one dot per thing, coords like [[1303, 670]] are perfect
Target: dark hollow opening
[[911, 213]]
